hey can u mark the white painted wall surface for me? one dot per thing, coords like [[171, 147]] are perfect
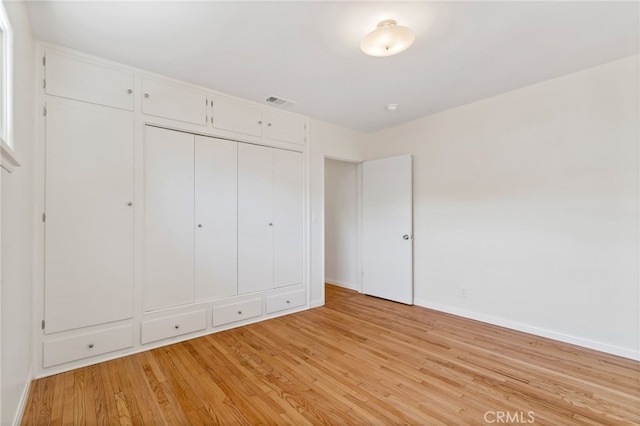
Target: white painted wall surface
[[341, 200], [17, 215], [529, 201], [327, 140]]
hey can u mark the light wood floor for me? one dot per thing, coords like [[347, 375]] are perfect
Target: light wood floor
[[358, 360]]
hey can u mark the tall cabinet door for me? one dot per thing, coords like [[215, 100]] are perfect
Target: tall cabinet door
[[287, 220], [168, 271], [255, 218], [89, 226], [216, 232]]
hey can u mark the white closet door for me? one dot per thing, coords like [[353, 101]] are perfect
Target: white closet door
[[89, 226], [168, 271], [255, 218], [216, 244], [287, 220]]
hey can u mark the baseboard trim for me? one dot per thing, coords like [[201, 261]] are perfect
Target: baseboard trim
[[344, 284], [566, 338], [17, 419], [316, 304]]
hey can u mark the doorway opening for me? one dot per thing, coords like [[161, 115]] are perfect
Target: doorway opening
[[342, 231]]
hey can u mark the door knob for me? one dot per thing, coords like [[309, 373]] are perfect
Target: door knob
[[405, 236], [199, 225]]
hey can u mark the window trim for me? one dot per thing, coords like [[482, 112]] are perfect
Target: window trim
[[8, 160]]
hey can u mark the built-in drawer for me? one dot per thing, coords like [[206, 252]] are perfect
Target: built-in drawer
[[73, 348], [286, 301], [226, 314], [172, 326]]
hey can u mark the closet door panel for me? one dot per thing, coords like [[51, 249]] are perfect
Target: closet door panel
[[168, 271], [89, 226], [255, 218], [287, 229], [216, 232]]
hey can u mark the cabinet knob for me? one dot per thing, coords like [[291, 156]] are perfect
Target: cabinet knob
[[90, 345], [260, 122], [239, 312], [176, 326], [146, 95], [270, 224], [199, 225], [129, 91], [130, 203], [269, 124], [288, 301]]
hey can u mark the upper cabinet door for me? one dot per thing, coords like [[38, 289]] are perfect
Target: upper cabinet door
[[255, 218], [285, 127], [288, 218], [77, 79], [168, 269], [174, 102], [89, 226], [216, 233], [237, 116]]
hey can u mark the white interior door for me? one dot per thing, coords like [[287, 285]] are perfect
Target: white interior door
[[216, 243], [89, 226], [168, 271], [387, 229], [255, 218], [287, 218]]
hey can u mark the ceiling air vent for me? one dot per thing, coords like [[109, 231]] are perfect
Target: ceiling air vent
[[280, 101]]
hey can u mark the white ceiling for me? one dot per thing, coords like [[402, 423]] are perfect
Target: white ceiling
[[309, 52]]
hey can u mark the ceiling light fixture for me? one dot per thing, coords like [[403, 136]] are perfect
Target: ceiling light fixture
[[391, 107], [387, 39]]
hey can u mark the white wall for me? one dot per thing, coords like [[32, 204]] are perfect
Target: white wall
[[17, 196], [327, 141], [341, 209], [529, 200]]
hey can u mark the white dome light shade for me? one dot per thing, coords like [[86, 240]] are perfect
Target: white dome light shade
[[388, 39]]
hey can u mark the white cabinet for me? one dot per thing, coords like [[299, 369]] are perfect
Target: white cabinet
[[285, 127], [172, 326], [233, 312], [167, 100], [237, 116], [89, 216], [168, 270], [269, 218], [86, 345], [287, 218], [74, 78], [255, 218], [282, 302], [216, 213]]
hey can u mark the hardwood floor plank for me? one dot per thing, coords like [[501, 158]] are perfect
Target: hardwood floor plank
[[357, 360]]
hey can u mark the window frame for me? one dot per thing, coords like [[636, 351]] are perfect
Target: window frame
[[7, 145]]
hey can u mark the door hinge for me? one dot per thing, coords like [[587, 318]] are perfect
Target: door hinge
[[44, 61], [44, 217], [212, 119], [44, 111], [43, 324], [44, 84]]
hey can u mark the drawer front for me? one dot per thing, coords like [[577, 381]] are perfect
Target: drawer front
[[87, 345], [286, 301], [83, 81], [226, 314], [172, 326]]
